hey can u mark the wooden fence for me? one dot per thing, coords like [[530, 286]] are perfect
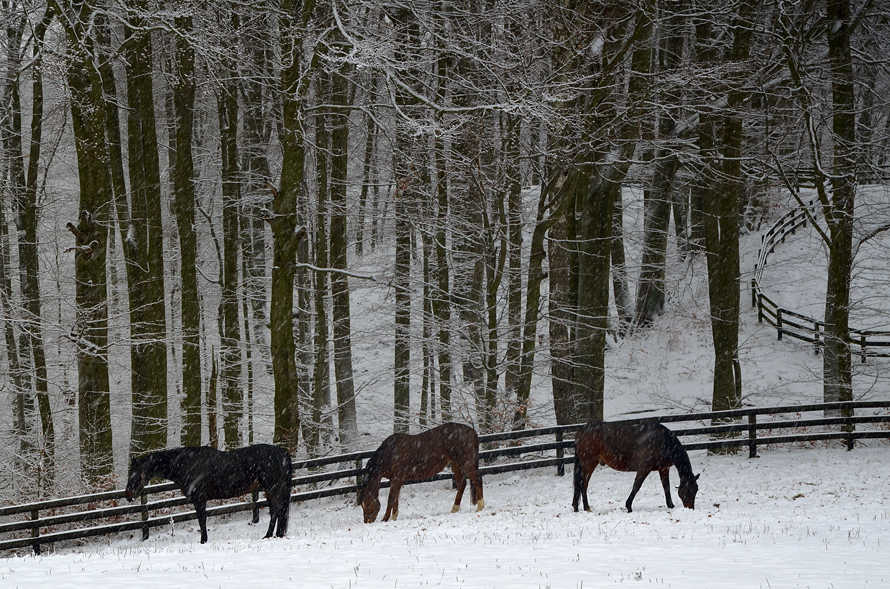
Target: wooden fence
[[100, 514], [863, 342]]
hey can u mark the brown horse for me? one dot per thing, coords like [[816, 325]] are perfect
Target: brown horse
[[402, 457], [632, 447]]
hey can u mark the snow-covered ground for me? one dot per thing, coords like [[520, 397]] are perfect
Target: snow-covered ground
[[816, 518]]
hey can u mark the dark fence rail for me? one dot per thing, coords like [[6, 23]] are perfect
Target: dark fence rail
[[863, 342], [37, 524]]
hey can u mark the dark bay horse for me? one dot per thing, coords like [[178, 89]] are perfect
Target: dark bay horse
[[632, 447], [403, 457], [204, 473]]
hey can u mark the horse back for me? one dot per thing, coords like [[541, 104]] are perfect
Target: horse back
[[625, 446], [459, 442], [420, 456], [215, 474]]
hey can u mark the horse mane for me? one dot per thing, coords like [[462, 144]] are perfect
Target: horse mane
[[372, 473], [679, 456]]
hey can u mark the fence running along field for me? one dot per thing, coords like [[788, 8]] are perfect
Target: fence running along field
[[41, 523], [863, 342]]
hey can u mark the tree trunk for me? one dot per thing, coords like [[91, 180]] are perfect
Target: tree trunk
[[560, 300], [442, 298], [230, 335], [321, 377], [91, 237], [837, 361], [23, 186], [657, 205], [293, 18], [184, 212], [346, 414], [722, 236], [514, 255], [402, 284], [143, 238]]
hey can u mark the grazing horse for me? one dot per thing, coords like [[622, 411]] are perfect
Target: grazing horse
[[632, 447], [402, 457], [207, 473]]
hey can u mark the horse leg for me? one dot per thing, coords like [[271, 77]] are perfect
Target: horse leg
[[461, 482], [581, 480], [284, 511], [201, 510], [664, 473], [638, 482], [392, 502], [279, 508], [475, 487], [274, 500]]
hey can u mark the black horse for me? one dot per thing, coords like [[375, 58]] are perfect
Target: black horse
[[632, 447], [205, 473]]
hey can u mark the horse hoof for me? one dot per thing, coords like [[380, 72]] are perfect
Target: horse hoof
[[480, 505], [455, 508], [395, 516], [588, 510]]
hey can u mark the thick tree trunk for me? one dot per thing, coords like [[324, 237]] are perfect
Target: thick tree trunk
[[91, 235], [143, 238], [722, 235], [283, 217], [837, 361], [561, 299], [184, 209]]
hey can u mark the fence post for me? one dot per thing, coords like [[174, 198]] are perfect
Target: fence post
[[752, 435], [358, 479], [560, 453], [35, 530], [779, 321], [754, 289], [144, 501], [862, 345], [817, 328]]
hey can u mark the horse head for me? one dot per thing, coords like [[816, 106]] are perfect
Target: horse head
[[370, 503], [135, 480], [687, 490]]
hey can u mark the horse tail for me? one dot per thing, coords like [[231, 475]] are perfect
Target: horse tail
[[577, 478], [476, 487]]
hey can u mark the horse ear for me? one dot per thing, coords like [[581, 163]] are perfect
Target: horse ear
[[698, 475]]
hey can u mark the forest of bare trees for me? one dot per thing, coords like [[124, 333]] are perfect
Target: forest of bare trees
[[201, 201]]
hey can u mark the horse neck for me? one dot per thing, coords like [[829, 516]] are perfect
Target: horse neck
[[681, 460], [373, 475], [158, 464]]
